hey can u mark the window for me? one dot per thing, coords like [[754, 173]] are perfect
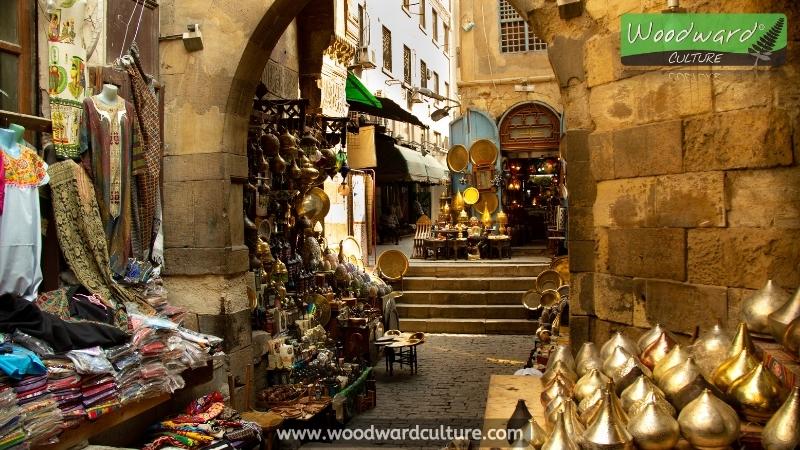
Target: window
[[446, 42], [387, 49], [436, 82], [423, 74], [16, 49], [530, 126], [515, 35], [361, 36], [437, 138], [447, 89], [435, 25], [422, 22], [406, 65], [406, 4]]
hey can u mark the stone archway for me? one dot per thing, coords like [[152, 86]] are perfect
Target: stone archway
[[208, 101], [667, 221]]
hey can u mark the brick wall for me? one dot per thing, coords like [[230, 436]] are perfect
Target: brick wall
[[684, 187]]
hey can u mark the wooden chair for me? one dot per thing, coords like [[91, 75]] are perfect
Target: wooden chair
[[423, 232]]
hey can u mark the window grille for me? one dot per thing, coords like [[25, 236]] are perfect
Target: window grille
[[406, 64], [422, 13], [436, 83], [435, 25], [423, 74], [387, 49], [515, 34]]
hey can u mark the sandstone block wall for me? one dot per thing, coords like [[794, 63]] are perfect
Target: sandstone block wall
[[684, 184]]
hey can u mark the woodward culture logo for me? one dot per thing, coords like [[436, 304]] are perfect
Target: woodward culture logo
[[703, 39]]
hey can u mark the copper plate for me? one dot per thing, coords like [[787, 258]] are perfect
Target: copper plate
[[549, 297], [483, 152], [549, 279], [457, 158], [531, 299], [320, 309], [314, 205], [488, 200]]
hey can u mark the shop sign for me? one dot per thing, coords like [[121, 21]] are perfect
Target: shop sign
[[703, 39]]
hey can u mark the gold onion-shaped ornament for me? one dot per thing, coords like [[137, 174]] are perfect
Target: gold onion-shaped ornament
[[683, 383], [782, 432], [658, 399], [791, 337], [709, 423], [588, 403], [653, 429], [615, 360], [677, 355], [758, 393], [732, 369], [780, 319], [618, 340], [657, 350], [755, 310], [560, 376], [588, 357], [649, 336], [629, 372], [571, 419], [606, 430], [741, 341], [557, 388], [616, 405], [551, 408], [559, 438], [561, 353], [522, 444], [711, 349], [589, 383], [555, 369], [534, 434], [637, 391]]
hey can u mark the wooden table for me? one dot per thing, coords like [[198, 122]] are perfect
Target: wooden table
[[504, 391]]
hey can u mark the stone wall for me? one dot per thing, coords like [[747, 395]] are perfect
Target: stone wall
[[684, 185]]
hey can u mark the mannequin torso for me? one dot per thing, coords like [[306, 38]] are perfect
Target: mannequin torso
[[8, 143], [109, 95]]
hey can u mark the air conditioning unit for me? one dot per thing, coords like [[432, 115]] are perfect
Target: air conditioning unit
[[366, 58], [416, 97], [379, 93]]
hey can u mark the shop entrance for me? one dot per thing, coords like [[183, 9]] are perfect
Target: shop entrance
[[529, 142]]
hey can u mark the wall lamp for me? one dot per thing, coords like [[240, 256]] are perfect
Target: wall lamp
[[192, 39]]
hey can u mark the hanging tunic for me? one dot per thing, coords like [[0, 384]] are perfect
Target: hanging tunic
[[20, 224], [66, 74], [109, 144]]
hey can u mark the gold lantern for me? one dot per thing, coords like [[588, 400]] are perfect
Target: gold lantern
[[502, 220], [458, 202], [486, 218]]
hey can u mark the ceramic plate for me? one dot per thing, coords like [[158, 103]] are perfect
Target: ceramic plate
[[549, 279]]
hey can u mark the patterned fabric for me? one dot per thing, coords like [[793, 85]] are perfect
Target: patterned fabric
[[80, 234], [66, 74], [2, 184], [164, 441], [55, 302], [150, 163], [27, 171], [109, 141]]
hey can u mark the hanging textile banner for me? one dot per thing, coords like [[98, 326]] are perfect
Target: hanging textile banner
[[361, 148]]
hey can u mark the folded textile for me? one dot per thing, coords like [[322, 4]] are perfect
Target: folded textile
[[20, 362]]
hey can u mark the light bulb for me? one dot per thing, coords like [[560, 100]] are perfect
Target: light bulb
[[344, 189]]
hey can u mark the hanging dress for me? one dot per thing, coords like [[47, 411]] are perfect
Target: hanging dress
[[109, 143], [20, 224], [66, 74]]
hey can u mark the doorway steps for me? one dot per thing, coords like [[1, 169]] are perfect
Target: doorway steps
[[482, 297]]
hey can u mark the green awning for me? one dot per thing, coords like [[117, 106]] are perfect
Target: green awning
[[357, 92]]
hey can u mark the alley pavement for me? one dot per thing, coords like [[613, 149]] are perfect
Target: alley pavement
[[449, 389]]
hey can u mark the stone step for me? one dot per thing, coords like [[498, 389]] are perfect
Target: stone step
[[461, 297], [530, 250], [470, 326], [469, 284], [475, 269], [429, 311]]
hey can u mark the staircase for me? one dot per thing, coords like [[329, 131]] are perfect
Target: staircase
[[468, 297]]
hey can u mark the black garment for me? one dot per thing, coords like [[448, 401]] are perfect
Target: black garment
[[80, 308], [19, 314]]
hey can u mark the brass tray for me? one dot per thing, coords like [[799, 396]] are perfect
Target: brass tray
[[393, 264], [314, 205], [531, 299], [483, 152], [561, 265], [351, 250], [320, 309], [471, 196], [488, 200], [549, 279], [549, 297], [457, 158]]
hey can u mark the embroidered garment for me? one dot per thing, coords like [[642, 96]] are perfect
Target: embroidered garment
[[2, 184], [109, 143], [66, 74], [20, 226]]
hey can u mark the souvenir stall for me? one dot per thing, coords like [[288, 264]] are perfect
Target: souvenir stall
[[725, 390], [321, 311]]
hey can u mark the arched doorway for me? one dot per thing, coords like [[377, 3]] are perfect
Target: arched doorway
[[529, 137]]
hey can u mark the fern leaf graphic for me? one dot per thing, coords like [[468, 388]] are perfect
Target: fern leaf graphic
[[762, 49]]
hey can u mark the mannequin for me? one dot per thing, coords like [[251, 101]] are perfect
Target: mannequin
[[109, 95], [19, 132], [9, 143]]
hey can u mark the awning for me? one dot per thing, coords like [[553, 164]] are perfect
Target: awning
[[388, 110], [397, 163], [436, 171], [356, 92]]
